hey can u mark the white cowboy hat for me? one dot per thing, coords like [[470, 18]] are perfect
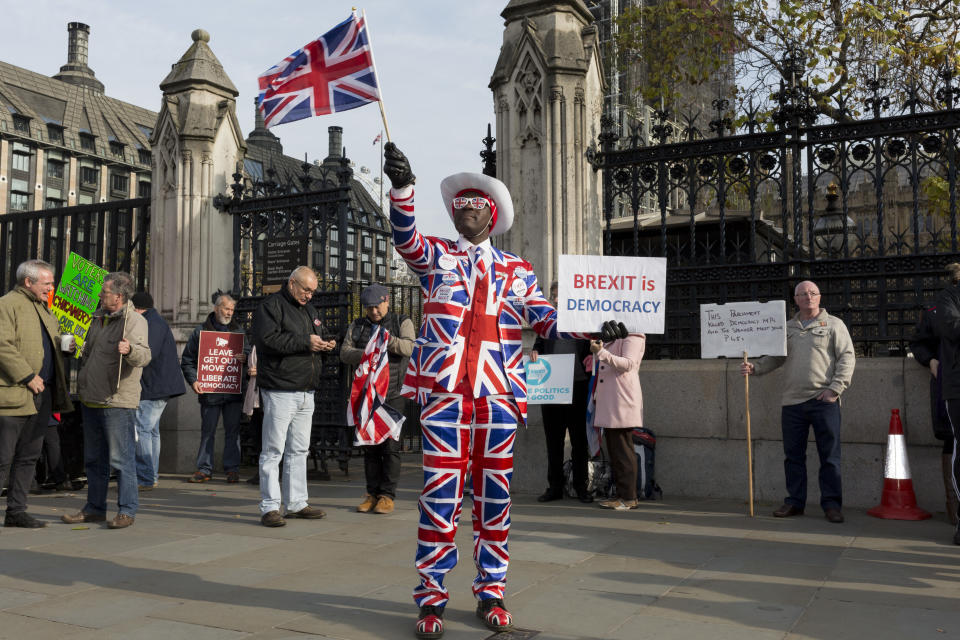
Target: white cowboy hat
[[491, 187]]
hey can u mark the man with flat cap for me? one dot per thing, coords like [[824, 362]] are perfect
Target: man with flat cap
[[381, 462], [466, 373]]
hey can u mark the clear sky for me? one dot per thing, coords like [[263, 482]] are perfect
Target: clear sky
[[434, 57]]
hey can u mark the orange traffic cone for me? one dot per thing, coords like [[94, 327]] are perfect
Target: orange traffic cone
[[898, 501]]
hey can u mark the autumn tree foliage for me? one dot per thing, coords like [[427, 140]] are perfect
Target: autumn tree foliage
[[836, 53]]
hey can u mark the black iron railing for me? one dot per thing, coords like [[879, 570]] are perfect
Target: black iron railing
[[867, 209]]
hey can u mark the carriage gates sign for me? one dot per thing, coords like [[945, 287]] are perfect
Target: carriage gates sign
[[77, 297]]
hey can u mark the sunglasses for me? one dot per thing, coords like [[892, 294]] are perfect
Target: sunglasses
[[473, 203]]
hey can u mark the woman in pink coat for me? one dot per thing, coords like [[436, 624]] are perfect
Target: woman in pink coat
[[618, 409]]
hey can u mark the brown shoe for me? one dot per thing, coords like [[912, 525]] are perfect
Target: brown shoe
[[367, 504], [233, 477], [384, 505], [272, 519], [308, 513], [122, 521], [81, 516], [833, 515], [199, 476], [787, 510]]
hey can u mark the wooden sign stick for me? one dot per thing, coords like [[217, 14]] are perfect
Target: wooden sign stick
[[746, 394]]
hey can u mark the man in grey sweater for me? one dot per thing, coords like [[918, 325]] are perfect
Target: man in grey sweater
[[818, 368]]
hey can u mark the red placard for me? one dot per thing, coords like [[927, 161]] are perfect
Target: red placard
[[218, 370]]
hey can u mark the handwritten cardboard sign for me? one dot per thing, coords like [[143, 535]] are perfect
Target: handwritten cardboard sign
[[77, 297], [218, 370], [550, 379], [759, 328], [594, 289]]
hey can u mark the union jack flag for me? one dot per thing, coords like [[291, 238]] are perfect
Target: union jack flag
[[374, 420], [333, 73]]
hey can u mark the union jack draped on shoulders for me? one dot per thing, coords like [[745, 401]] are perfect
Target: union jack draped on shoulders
[[374, 420], [333, 73]]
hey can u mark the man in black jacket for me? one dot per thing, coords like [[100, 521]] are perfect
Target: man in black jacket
[[947, 325], [213, 405], [290, 340], [558, 419], [160, 381], [381, 462]]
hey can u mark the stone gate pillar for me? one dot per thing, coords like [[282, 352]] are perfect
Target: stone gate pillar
[[548, 96], [197, 144]]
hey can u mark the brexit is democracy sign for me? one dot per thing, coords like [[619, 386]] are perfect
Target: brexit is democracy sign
[[77, 296], [593, 289]]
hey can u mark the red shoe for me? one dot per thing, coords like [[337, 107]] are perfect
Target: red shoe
[[429, 622], [493, 614]]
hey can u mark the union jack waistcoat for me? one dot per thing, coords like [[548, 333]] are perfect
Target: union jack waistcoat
[[445, 273]]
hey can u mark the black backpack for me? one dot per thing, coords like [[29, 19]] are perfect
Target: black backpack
[[644, 445]]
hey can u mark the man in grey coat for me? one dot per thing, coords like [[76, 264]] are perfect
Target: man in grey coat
[[113, 356], [32, 384]]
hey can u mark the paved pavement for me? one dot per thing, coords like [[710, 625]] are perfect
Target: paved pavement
[[198, 566]]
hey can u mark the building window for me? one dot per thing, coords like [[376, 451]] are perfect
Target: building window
[[88, 142], [145, 156], [367, 270], [351, 238], [55, 133], [143, 189], [84, 198], [120, 183], [334, 263], [53, 203], [381, 272], [351, 267], [19, 195], [19, 201], [21, 124], [367, 242], [89, 176], [334, 235], [382, 246], [21, 162], [116, 149], [55, 169]]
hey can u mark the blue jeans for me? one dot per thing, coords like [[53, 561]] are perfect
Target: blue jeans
[[287, 421], [148, 441], [796, 421], [108, 442], [209, 417]]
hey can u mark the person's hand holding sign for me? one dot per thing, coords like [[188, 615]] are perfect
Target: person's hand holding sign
[[612, 330], [123, 347]]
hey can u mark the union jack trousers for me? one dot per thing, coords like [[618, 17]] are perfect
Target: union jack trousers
[[461, 435]]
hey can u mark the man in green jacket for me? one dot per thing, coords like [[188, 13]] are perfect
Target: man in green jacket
[[114, 353], [32, 384]]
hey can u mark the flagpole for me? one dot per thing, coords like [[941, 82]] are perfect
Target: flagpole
[[383, 112], [381, 169]]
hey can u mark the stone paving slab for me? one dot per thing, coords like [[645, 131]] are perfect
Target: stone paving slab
[[198, 565]]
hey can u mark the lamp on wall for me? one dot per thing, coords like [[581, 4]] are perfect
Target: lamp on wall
[[828, 230]]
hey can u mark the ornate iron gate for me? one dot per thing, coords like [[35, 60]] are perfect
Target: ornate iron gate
[[744, 217]]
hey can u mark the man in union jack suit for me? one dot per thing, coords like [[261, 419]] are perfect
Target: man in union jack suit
[[466, 373]]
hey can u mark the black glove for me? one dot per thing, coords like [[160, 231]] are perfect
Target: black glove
[[612, 330], [397, 167]]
